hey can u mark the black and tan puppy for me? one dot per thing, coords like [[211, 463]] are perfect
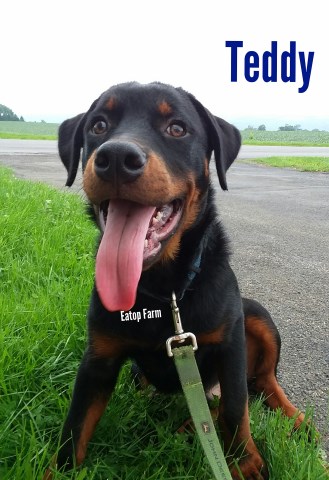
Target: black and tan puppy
[[145, 158]]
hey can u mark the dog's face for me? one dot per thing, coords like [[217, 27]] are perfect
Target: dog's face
[[146, 152]]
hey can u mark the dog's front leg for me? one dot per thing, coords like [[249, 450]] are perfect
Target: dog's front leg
[[233, 411], [94, 384]]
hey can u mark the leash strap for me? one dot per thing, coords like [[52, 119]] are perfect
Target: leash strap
[[196, 399], [190, 379]]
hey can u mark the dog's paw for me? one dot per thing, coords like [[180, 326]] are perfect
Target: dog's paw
[[250, 467], [48, 475]]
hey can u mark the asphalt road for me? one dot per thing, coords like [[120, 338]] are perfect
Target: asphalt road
[[278, 221], [22, 147]]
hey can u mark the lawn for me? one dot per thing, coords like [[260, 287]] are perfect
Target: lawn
[[304, 164], [46, 270]]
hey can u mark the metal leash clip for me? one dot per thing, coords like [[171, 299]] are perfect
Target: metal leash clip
[[180, 336]]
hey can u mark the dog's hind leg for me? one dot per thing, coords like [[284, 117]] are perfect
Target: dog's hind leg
[[233, 417], [263, 352]]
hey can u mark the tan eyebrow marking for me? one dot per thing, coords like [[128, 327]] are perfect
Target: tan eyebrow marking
[[164, 108], [111, 103]]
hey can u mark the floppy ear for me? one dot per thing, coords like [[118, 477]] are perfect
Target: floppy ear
[[70, 142], [224, 138]]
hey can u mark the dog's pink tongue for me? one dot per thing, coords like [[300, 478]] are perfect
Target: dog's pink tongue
[[119, 259]]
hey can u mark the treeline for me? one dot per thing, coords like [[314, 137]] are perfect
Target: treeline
[[6, 114]]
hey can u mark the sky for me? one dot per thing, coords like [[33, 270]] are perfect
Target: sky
[[57, 57]]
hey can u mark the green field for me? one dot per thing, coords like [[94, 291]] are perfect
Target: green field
[[42, 130], [29, 130], [46, 276], [297, 138]]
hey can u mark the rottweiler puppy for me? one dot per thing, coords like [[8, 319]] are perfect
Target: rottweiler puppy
[[145, 159]]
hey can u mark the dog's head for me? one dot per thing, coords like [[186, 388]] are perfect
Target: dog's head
[[146, 152]]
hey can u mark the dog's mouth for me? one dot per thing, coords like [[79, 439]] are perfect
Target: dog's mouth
[[134, 236], [161, 227]]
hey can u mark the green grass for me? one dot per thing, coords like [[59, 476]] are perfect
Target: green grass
[[29, 130], [25, 136], [294, 138], [304, 164], [46, 270]]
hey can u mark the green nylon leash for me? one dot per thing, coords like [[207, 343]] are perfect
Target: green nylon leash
[[196, 399], [190, 379]]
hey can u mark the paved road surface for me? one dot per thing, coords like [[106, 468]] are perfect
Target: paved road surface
[[28, 147], [278, 221], [22, 147]]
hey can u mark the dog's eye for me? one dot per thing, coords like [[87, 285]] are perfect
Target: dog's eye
[[176, 129], [99, 127]]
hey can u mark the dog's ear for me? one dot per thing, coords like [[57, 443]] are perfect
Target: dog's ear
[[70, 142], [224, 139]]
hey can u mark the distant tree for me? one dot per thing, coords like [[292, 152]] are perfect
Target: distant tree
[[7, 115], [21, 119], [287, 128], [262, 128], [290, 128]]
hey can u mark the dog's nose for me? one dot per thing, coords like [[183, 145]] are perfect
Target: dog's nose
[[119, 161]]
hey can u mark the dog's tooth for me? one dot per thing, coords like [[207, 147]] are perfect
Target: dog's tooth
[[155, 220], [159, 216], [146, 242]]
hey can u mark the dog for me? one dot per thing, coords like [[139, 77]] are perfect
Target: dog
[[146, 151]]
